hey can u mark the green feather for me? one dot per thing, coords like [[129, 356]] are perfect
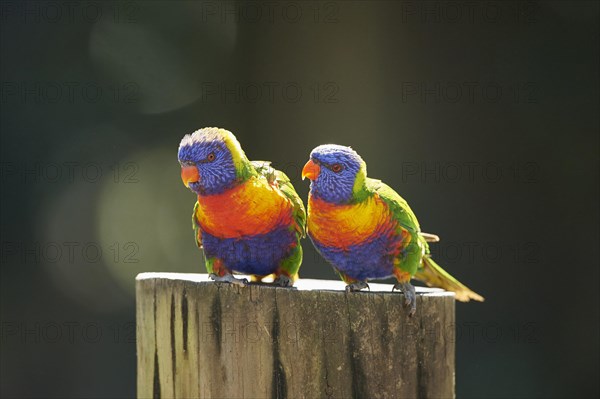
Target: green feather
[[272, 175], [398, 205], [196, 227]]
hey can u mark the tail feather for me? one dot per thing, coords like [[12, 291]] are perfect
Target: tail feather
[[433, 275]]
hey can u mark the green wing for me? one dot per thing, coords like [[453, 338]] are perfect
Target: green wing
[[265, 169], [299, 213], [405, 216], [280, 179], [413, 252], [196, 227]]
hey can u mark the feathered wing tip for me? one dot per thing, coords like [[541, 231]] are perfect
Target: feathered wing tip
[[430, 237], [433, 275]]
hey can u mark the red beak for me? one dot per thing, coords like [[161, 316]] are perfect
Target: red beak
[[311, 170], [189, 174]]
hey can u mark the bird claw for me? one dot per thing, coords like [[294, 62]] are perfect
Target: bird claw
[[410, 296], [357, 286], [283, 281], [228, 278]]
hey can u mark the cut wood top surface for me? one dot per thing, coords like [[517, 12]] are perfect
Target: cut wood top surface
[[303, 284], [198, 338]]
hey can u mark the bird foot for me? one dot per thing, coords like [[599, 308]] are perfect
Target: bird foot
[[357, 286], [228, 278], [283, 281], [410, 296]]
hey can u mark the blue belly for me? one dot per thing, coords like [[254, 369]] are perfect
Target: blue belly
[[260, 254], [372, 259]]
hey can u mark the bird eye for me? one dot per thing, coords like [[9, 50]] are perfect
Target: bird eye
[[337, 168], [211, 157]]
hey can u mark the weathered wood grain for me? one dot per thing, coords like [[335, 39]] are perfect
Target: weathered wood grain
[[197, 338]]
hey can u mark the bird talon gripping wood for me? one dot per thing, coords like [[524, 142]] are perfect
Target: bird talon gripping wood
[[365, 230], [283, 281], [228, 278], [357, 286], [247, 218], [410, 296]]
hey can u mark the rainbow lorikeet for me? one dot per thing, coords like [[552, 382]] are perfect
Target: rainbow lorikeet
[[365, 230], [248, 218]]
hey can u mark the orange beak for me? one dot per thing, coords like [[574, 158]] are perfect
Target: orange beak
[[311, 170], [189, 174]]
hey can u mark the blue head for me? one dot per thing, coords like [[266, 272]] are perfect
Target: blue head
[[211, 160], [336, 172]]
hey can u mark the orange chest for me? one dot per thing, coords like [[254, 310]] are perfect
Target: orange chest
[[344, 225], [252, 208]]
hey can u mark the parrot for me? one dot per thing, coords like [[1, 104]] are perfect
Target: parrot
[[248, 217], [366, 230]]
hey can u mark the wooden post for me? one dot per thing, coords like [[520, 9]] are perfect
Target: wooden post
[[197, 338]]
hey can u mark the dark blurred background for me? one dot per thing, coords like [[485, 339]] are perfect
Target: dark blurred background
[[484, 116]]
